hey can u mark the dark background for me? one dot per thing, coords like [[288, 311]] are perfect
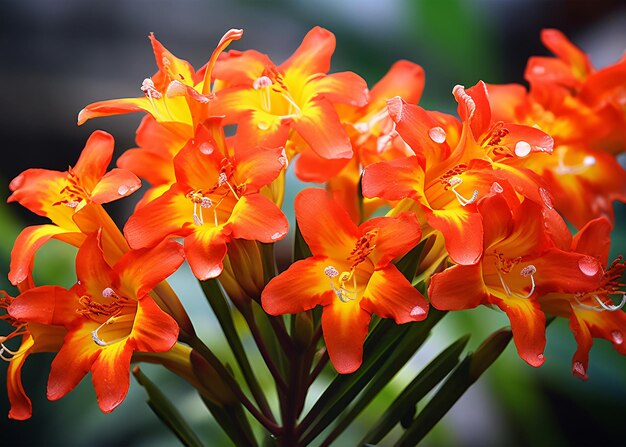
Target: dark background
[[58, 56]]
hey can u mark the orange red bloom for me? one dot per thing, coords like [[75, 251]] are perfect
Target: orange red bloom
[[350, 274]]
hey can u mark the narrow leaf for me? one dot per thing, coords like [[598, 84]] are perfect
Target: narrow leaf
[[166, 411], [468, 371]]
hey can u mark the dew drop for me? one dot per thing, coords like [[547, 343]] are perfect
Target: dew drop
[[206, 148], [617, 337], [496, 188], [437, 134], [588, 265], [545, 196], [123, 189], [578, 369], [539, 69], [589, 160], [417, 311], [262, 125], [277, 236], [522, 149]]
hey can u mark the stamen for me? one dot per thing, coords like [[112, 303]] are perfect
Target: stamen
[[263, 85], [456, 181], [611, 307], [527, 271]]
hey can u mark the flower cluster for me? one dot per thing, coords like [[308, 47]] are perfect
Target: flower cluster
[[479, 201]]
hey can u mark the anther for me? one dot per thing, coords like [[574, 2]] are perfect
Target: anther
[[108, 293], [222, 179], [262, 82], [527, 271], [331, 271], [148, 87]]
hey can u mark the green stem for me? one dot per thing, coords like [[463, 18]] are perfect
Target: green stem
[[230, 381]]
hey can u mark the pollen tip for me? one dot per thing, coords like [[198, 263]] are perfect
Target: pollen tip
[[579, 370]]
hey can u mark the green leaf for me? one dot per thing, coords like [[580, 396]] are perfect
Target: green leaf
[[164, 409], [217, 300], [465, 374], [385, 341], [423, 383]]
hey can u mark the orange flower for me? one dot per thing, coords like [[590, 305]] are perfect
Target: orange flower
[[216, 198], [350, 274], [108, 315], [34, 338], [525, 256], [176, 95], [72, 201], [267, 101], [593, 313]]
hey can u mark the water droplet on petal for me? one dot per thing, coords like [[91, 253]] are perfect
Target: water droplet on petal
[[522, 149], [545, 196], [206, 148], [578, 369], [123, 189], [417, 311], [589, 265], [277, 235], [262, 125], [496, 188], [539, 69], [589, 160], [617, 337], [437, 134]]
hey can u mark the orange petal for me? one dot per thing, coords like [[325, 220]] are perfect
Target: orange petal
[[310, 167], [110, 374], [396, 236], [27, 244], [462, 230], [404, 79], [594, 239], [394, 179], [50, 305], [458, 287], [345, 327], [301, 287], [153, 330], [320, 128], [528, 324], [345, 88], [241, 68], [390, 295], [94, 159], [205, 249], [325, 226], [93, 272], [116, 184], [314, 53], [73, 360], [140, 270], [584, 341], [257, 218], [164, 216], [257, 167], [21, 406], [170, 67]]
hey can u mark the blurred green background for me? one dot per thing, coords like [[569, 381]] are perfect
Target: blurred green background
[[61, 55]]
